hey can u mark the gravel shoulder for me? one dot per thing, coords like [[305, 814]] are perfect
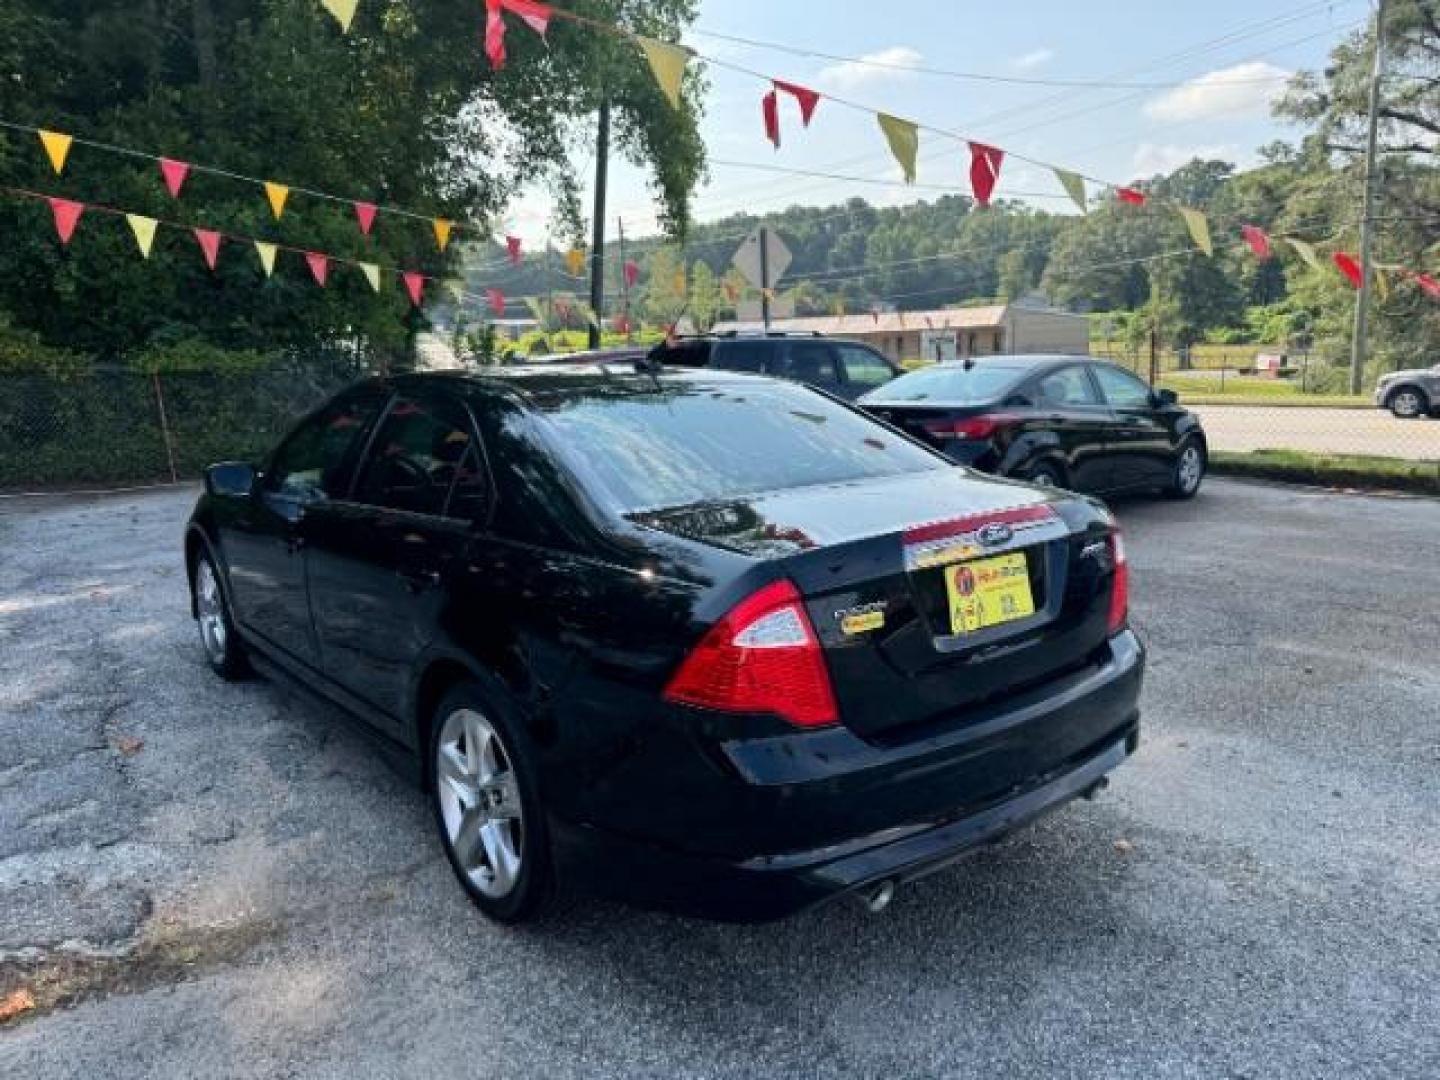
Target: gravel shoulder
[[200, 878]]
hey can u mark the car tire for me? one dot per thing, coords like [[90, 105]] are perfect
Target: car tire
[[484, 791], [223, 649], [1046, 474], [1408, 403], [1190, 466]]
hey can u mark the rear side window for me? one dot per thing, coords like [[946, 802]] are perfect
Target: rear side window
[[743, 355], [864, 368], [684, 443], [423, 452], [1068, 386], [314, 463], [949, 384], [684, 354], [1122, 389], [810, 362]]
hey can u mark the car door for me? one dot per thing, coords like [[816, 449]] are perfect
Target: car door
[[383, 562], [263, 545], [1140, 445], [863, 369], [808, 360], [1068, 405]]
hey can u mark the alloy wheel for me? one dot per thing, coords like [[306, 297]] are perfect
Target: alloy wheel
[[210, 612], [1405, 404], [479, 802], [1192, 467]]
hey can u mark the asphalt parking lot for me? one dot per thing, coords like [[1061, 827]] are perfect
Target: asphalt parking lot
[[1242, 428], [202, 879]]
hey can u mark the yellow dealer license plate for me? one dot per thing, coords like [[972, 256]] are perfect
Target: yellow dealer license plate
[[988, 592]]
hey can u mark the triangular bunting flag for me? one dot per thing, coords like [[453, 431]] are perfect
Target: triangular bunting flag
[[680, 280], [512, 245], [1347, 265], [57, 146], [904, 140], [732, 294], [365, 214], [442, 232], [535, 15], [667, 62], [807, 98], [144, 230], [1199, 229], [770, 114], [1306, 252], [319, 266], [277, 194], [1074, 185], [343, 10], [1131, 196], [632, 273], [1429, 284], [372, 274], [497, 302], [174, 173], [67, 216], [1382, 283], [209, 244], [267, 256], [1258, 240], [575, 261], [414, 285], [984, 170]]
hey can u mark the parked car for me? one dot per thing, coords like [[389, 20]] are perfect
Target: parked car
[[1058, 421], [846, 369], [709, 642], [620, 354], [1410, 394]]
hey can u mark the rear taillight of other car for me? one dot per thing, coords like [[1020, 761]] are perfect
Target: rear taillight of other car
[[761, 657], [967, 427], [1120, 587]]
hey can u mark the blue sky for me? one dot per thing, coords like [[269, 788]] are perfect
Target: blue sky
[[1229, 55]]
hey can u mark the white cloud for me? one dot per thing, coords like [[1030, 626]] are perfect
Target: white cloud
[[873, 67], [1033, 59], [1242, 90], [1152, 158]]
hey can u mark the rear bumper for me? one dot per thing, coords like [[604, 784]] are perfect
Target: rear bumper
[[883, 813]]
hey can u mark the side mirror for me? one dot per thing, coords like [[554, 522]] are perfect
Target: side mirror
[[232, 479], [1166, 397]]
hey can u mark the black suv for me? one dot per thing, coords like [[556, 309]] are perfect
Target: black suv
[[846, 369]]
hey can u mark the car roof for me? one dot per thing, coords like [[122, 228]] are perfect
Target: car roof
[[531, 382]]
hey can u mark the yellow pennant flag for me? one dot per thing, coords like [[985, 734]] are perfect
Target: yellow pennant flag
[[680, 281], [1199, 229], [1074, 185], [144, 230], [442, 232], [1382, 284], [1306, 252], [667, 62], [343, 10], [267, 256], [58, 147], [277, 194], [904, 140], [372, 275], [575, 261]]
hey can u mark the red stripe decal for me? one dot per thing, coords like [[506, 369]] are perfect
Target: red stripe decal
[[939, 530]]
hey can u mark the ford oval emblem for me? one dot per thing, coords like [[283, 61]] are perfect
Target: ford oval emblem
[[994, 534]]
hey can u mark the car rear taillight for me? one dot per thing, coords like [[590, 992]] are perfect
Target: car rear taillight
[[762, 656], [968, 427], [1120, 588]]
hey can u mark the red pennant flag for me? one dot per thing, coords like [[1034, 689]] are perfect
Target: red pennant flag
[[210, 245], [497, 302], [414, 285], [365, 213], [984, 170], [770, 110], [67, 216], [319, 266], [535, 15], [632, 273], [807, 98], [1347, 265], [1130, 195], [1258, 240], [622, 324], [512, 244], [1429, 284], [175, 173]]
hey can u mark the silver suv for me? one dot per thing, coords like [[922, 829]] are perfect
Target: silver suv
[[1410, 394]]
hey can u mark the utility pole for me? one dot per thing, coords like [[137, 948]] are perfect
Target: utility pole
[[765, 277], [624, 281], [1359, 343], [597, 244]]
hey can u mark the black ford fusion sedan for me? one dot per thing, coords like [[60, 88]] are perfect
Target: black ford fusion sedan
[[700, 640], [1059, 421]]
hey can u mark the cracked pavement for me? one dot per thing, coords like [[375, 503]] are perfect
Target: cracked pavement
[[252, 892]]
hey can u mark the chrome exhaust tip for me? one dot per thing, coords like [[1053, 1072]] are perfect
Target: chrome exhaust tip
[[878, 899]]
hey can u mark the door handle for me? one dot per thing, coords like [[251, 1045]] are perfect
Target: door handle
[[419, 580]]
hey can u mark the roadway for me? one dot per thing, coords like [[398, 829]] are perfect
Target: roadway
[[1330, 431]]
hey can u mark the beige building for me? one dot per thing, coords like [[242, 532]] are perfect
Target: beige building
[[1020, 327]]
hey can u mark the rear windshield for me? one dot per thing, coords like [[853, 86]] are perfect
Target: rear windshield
[[685, 443], [949, 383]]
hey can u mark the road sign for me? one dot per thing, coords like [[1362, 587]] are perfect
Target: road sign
[[747, 259]]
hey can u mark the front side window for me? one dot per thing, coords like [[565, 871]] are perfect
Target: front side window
[[423, 457], [742, 355], [1069, 386], [1122, 389], [864, 368], [810, 362], [312, 464]]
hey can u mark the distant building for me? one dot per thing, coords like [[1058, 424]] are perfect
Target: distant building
[[1029, 325]]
